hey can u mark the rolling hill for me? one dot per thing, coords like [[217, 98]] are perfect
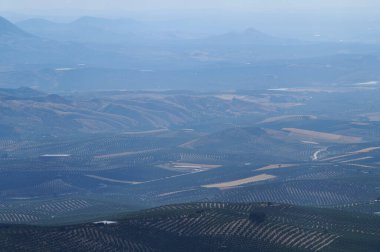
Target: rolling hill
[[122, 111], [207, 226], [85, 29], [9, 30], [249, 36]]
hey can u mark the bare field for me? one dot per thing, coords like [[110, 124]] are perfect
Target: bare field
[[288, 117], [324, 136], [189, 166], [366, 150], [147, 132], [262, 102], [310, 142], [374, 117], [275, 166], [362, 151], [356, 159], [363, 166], [123, 154], [234, 183], [337, 157], [113, 180], [172, 193], [189, 144], [360, 123]]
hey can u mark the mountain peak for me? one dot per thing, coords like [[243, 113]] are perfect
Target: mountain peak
[[249, 36], [9, 29], [103, 22], [253, 33], [252, 30], [90, 20]]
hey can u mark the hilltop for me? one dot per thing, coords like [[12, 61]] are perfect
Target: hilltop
[[207, 227], [10, 30]]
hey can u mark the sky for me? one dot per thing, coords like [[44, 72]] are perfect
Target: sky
[[149, 5], [267, 15], [283, 18]]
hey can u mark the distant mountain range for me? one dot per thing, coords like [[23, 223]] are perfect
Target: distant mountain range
[[96, 54], [10, 30], [250, 36], [101, 30], [85, 29], [20, 47]]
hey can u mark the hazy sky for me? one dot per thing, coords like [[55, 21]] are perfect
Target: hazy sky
[[236, 5]]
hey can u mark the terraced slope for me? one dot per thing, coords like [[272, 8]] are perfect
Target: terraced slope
[[207, 227], [116, 173]]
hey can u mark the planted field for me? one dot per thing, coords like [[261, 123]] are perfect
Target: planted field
[[324, 136], [275, 166], [240, 182], [206, 226], [43, 180]]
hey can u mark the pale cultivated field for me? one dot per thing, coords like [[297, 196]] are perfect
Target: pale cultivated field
[[123, 154], [189, 166], [230, 97], [189, 144], [366, 150], [360, 123], [363, 166], [113, 180], [147, 132], [310, 142], [56, 155], [262, 102], [324, 136], [337, 157], [275, 166], [356, 159], [172, 193], [362, 151], [288, 117], [234, 183], [373, 117]]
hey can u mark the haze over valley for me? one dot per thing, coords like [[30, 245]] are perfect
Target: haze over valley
[[244, 127]]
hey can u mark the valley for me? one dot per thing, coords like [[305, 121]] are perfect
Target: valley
[[247, 154], [152, 135]]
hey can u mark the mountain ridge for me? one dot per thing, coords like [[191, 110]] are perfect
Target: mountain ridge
[[7, 28]]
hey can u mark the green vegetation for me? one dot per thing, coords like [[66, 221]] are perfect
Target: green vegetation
[[207, 227], [324, 192]]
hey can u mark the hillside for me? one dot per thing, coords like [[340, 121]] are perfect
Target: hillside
[[93, 53], [207, 227], [7, 29], [249, 36], [197, 127], [85, 29], [86, 155], [114, 112]]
